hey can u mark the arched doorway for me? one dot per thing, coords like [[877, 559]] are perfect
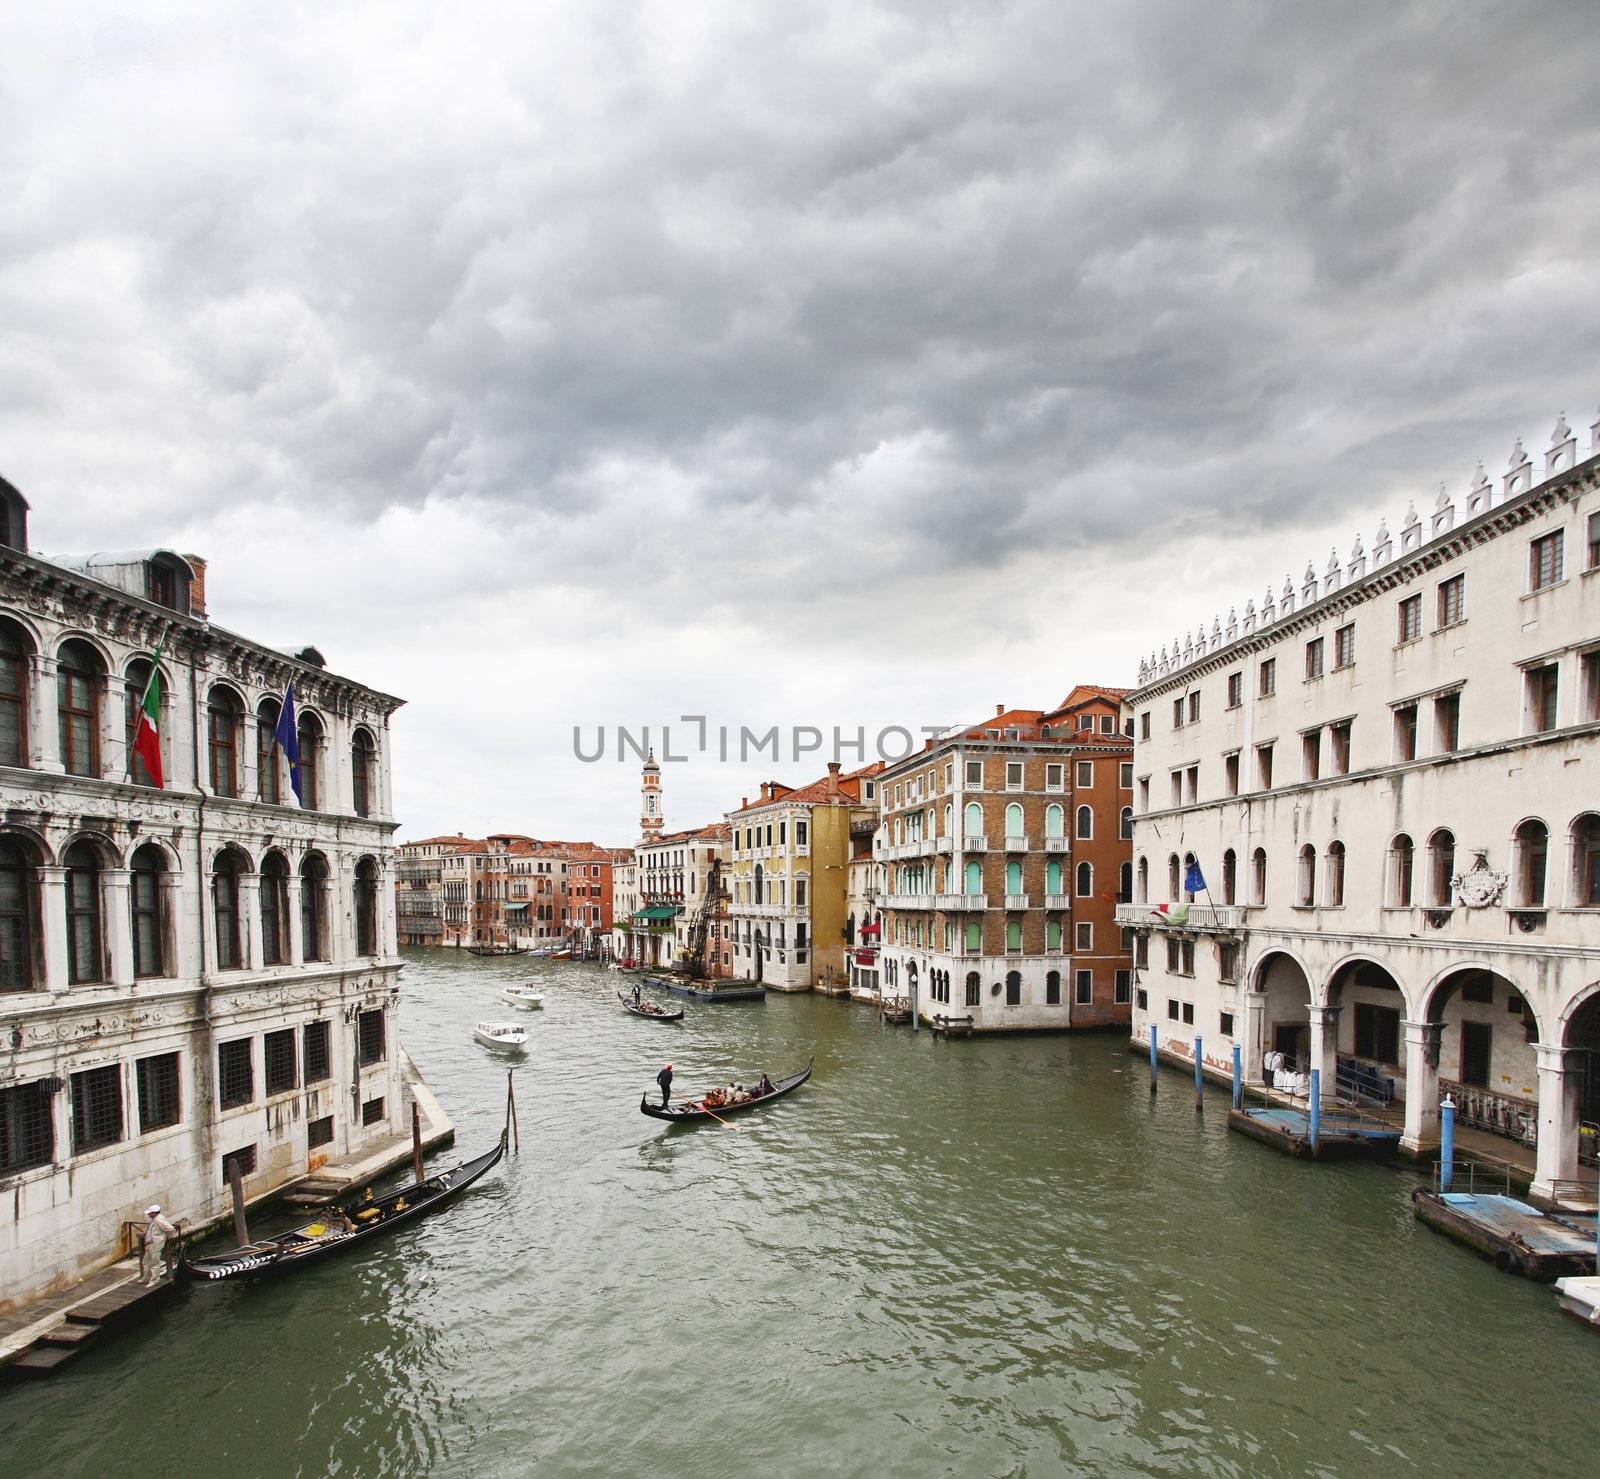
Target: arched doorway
[[761, 950], [1488, 1063], [1582, 1062], [1285, 1014], [1365, 1026]]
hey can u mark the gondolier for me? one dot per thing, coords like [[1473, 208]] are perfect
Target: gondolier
[[160, 1248], [664, 1078], [636, 993]]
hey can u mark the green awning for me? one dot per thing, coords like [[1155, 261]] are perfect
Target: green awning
[[657, 911], [516, 908]]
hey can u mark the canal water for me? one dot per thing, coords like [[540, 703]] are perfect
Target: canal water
[[969, 1258]]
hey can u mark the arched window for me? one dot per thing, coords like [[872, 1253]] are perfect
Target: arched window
[[313, 907], [974, 989], [274, 909], [1052, 989], [135, 684], [1085, 879], [222, 728], [972, 825], [760, 885], [1125, 824], [1335, 874], [1174, 877], [1143, 895], [13, 696], [1052, 876], [1085, 828], [362, 754], [19, 909], [1441, 867], [149, 927], [1013, 877], [1013, 937], [1402, 871], [1013, 988], [1533, 850], [1125, 883], [974, 876], [1586, 861], [949, 818], [1230, 877], [225, 910], [78, 673], [269, 780], [1013, 820], [1188, 863], [1258, 876], [366, 902], [1055, 821], [310, 747], [1307, 881], [85, 961]]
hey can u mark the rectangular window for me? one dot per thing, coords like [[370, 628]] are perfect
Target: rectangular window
[[1590, 667], [1230, 774], [1083, 936], [1447, 722], [1172, 957], [1085, 774], [1339, 744], [1452, 600], [1083, 988], [1013, 775], [1543, 693], [1545, 558], [1405, 732], [1593, 543], [1225, 1023], [1344, 646], [1194, 706], [1144, 793], [975, 773], [1313, 659], [1377, 1033], [1188, 1013], [1264, 766], [1177, 713], [157, 1081], [1177, 788], [1055, 776], [319, 1132], [1085, 721], [1125, 775], [371, 1038], [1235, 690], [236, 1083], [1172, 1009], [96, 1108], [1269, 677], [278, 1050], [1124, 980], [372, 1112], [1227, 961], [1410, 619], [974, 938], [1142, 999], [1144, 725], [1191, 784], [1311, 754], [800, 886], [1186, 960], [244, 1158], [27, 1133]]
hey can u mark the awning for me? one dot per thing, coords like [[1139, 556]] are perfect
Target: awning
[[516, 908], [657, 911]]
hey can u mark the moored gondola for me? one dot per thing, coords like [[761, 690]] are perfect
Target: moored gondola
[[343, 1228], [659, 1014], [694, 1109]]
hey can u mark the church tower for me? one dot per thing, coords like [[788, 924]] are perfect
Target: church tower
[[650, 818]]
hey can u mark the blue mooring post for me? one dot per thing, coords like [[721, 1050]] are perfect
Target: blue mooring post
[[1447, 1142], [1199, 1079], [1238, 1079], [1316, 1108], [1152, 1058]]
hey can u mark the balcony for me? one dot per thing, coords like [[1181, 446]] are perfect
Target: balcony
[[1016, 901], [960, 903], [1058, 844], [1016, 842], [757, 911], [906, 901], [1212, 917], [944, 844], [975, 842], [921, 848], [1058, 901]]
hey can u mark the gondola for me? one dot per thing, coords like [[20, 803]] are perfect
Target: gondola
[[324, 1238], [661, 1014], [497, 950], [691, 1111]]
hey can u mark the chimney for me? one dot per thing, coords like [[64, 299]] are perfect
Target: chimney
[[197, 587], [744, 803], [833, 778], [999, 709]]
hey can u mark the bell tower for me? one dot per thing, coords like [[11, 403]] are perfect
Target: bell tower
[[650, 818]]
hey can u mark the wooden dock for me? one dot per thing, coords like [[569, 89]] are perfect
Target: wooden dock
[[1511, 1234], [953, 1026], [1338, 1134], [40, 1339]]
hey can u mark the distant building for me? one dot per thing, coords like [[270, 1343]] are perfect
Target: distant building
[[195, 974], [1006, 847], [419, 889], [1387, 778]]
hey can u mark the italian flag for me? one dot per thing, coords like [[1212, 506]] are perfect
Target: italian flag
[[147, 738]]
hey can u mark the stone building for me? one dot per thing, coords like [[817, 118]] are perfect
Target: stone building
[[193, 974], [1006, 846], [419, 889], [1386, 775]]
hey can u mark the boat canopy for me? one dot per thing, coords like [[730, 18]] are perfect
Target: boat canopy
[[657, 911]]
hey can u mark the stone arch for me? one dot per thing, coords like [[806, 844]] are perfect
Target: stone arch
[[96, 644], [1435, 996], [1285, 982], [243, 861], [32, 841], [1343, 972], [106, 851], [1583, 1003]]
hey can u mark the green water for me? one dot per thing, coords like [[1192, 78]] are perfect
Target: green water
[[992, 1257]]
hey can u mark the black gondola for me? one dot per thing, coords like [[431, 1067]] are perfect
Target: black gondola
[[325, 1237], [497, 950], [661, 1014], [691, 1110]]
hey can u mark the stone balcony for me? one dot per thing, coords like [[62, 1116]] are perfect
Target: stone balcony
[[1058, 844], [1017, 842], [960, 903], [1058, 901], [906, 901], [975, 842], [1016, 901], [1203, 917]]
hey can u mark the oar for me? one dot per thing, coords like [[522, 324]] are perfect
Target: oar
[[719, 1119]]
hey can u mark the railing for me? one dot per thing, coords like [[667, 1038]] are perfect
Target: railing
[[975, 842], [1058, 844], [946, 843], [1058, 901], [1016, 842], [1362, 1082], [1465, 1176], [960, 902], [1016, 901], [1499, 1114], [1182, 916], [906, 901]]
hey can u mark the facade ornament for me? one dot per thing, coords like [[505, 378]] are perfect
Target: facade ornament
[[1249, 617], [1188, 650], [1288, 596], [1233, 624], [1479, 885], [1410, 531], [1480, 495], [1216, 634], [1331, 579], [1358, 561], [1594, 435], [1308, 586], [1444, 513], [1519, 474], [1382, 545], [1563, 448]]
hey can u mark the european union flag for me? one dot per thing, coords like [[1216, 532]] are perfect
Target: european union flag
[[287, 735], [1194, 881]]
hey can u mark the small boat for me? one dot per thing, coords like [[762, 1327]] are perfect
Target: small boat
[[523, 996], [694, 1109], [503, 1037], [341, 1229], [559, 955], [495, 950], [648, 1009]]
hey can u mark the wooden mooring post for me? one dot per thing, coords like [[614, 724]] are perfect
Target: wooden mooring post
[[416, 1140], [236, 1185], [511, 1113]]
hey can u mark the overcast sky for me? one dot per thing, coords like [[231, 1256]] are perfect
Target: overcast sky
[[801, 364]]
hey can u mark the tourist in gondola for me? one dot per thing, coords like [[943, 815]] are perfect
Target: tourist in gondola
[[664, 1078], [764, 1087]]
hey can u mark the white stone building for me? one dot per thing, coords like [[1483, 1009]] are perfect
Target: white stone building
[[191, 974], [1388, 780]]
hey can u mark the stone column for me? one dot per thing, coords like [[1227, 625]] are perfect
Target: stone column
[[249, 778], [250, 922], [341, 923], [1557, 1158], [1250, 1041], [1324, 1047], [44, 728], [1422, 1086], [117, 897], [297, 943], [53, 907], [180, 937], [113, 736]]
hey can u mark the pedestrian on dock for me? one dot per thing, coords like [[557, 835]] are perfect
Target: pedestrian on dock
[[664, 1078], [160, 1246]]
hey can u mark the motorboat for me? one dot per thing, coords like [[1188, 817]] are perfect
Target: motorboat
[[502, 1037], [523, 996]]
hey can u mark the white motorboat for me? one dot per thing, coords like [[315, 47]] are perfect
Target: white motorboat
[[523, 996], [502, 1037], [1580, 1297]]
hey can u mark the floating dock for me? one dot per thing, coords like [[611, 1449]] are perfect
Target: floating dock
[[1514, 1236], [953, 1026], [1289, 1130], [60, 1328], [698, 991]]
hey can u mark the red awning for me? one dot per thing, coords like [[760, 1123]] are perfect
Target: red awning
[[872, 929]]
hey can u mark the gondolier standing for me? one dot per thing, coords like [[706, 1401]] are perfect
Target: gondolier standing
[[664, 1078], [636, 993], [160, 1249]]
